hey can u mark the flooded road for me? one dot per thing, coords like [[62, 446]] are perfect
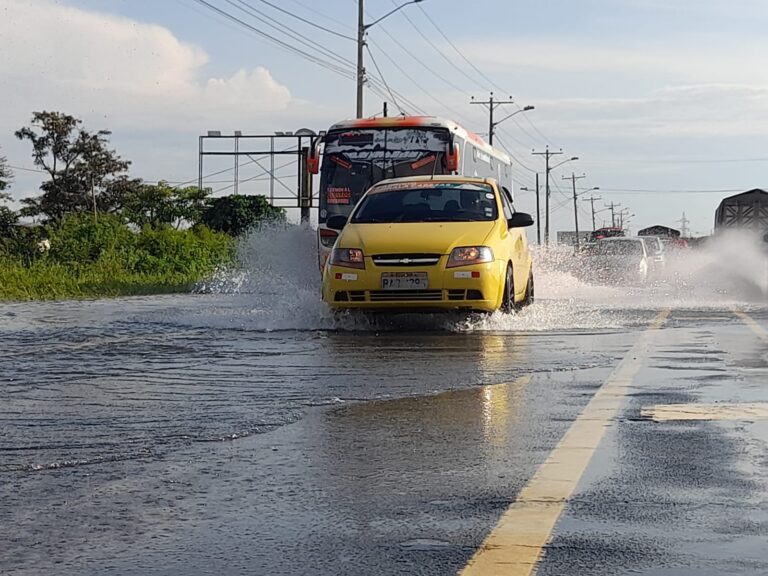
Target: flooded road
[[244, 431]]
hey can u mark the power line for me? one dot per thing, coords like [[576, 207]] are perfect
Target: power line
[[662, 191], [507, 150], [375, 65], [322, 15], [440, 52], [426, 67], [345, 72], [478, 70], [342, 66], [27, 169], [280, 27], [429, 93], [459, 52], [315, 25]]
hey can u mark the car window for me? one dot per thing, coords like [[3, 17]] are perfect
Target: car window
[[506, 203], [617, 248]]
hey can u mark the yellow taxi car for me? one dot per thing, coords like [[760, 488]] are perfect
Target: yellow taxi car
[[431, 242]]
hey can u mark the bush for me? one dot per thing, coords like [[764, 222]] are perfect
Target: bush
[[105, 257], [236, 214], [80, 239]]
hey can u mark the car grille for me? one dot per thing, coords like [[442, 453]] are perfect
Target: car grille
[[406, 259], [407, 295], [404, 295]]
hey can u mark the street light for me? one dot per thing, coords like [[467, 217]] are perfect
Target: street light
[[362, 28], [492, 124]]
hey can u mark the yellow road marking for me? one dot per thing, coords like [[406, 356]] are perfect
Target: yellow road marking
[[515, 544], [756, 328], [666, 412]]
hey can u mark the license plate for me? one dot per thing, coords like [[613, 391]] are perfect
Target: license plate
[[404, 281]]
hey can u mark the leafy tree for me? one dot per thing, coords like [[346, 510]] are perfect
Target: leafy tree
[[235, 214], [8, 221], [5, 179], [80, 166], [160, 204]]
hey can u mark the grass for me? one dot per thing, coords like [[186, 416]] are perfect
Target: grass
[[52, 281], [107, 259]]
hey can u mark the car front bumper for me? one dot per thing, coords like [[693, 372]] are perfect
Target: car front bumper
[[476, 287]]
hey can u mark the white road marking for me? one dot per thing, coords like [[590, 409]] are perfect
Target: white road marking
[[666, 412]]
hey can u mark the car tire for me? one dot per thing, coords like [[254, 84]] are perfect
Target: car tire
[[529, 292], [508, 303]]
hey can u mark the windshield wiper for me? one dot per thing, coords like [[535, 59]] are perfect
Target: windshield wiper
[[370, 221]]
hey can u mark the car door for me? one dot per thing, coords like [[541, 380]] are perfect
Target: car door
[[516, 244]]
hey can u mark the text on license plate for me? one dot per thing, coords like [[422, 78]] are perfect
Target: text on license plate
[[404, 281]]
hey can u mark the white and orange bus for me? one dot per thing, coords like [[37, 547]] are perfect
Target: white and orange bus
[[359, 153]]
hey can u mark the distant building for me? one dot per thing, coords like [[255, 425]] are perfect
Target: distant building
[[748, 210], [659, 230]]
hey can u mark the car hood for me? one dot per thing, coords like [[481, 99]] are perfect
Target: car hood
[[414, 237]]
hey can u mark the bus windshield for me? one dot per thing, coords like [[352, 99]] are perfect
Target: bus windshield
[[356, 159]]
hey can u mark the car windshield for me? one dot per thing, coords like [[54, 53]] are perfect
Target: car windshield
[[427, 202], [616, 248]]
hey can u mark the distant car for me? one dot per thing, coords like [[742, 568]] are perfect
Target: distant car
[[442, 242], [607, 232], [656, 248], [617, 260]]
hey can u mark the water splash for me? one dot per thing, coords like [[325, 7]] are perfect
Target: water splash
[[278, 287]]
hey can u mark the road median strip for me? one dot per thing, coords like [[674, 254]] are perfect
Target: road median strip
[[517, 541]]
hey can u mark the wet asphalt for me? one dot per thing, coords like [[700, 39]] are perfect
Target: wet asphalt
[[169, 436]]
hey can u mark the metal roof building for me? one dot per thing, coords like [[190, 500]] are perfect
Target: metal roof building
[[748, 210], [659, 230]]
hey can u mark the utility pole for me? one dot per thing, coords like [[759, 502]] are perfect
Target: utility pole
[[547, 153], [591, 200], [623, 212], [684, 226], [492, 104], [362, 29], [360, 46], [573, 179], [538, 213], [538, 209], [612, 206]]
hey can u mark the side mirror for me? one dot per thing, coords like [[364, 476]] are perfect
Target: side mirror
[[520, 220], [336, 222], [452, 157]]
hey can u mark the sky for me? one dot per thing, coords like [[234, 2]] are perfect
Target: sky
[[665, 103]]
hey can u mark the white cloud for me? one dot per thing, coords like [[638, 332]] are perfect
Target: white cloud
[[139, 76], [680, 61], [676, 111]]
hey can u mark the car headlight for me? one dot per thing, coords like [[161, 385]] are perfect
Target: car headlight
[[348, 257], [467, 255]]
